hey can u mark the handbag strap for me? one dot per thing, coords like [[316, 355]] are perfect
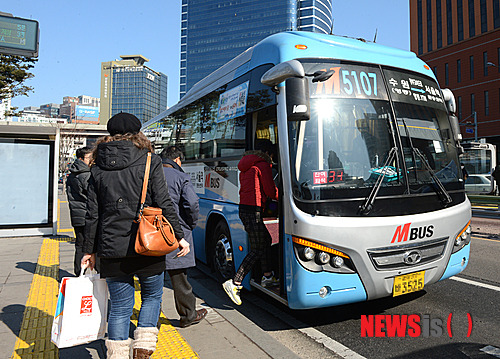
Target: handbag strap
[[145, 184]]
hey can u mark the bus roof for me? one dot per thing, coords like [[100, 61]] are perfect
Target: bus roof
[[281, 47]]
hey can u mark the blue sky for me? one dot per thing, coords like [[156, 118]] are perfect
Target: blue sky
[[75, 37]]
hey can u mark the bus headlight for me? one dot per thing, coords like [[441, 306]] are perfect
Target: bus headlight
[[308, 253], [337, 261], [323, 258], [318, 257], [463, 238]]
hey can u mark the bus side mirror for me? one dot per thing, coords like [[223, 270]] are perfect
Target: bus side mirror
[[297, 99], [455, 128], [457, 136]]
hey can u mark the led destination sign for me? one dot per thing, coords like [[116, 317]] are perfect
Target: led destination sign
[[18, 36]]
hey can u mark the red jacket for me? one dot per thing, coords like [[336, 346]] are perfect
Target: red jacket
[[256, 179]]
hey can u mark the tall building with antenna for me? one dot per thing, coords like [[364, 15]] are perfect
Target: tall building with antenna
[[215, 31]]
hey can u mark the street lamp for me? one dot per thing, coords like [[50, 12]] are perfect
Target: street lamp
[[491, 64], [475, 123]]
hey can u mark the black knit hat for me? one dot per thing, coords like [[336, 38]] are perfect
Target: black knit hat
[[123, 123]]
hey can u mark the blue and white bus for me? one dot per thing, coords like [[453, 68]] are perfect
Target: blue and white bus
[[372, 200]]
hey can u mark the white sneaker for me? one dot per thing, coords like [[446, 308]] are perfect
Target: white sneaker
[[269, 281], [233, 291]]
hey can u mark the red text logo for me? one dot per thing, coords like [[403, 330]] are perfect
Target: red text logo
[[403, 232], [412, 325], [86, 307]]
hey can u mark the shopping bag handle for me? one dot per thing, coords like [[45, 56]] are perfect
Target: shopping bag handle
[[90, 271]]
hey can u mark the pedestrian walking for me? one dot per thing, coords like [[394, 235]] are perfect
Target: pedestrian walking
[[76, 189], [185, 201], [256, 186], [496, 176], [114, 193]]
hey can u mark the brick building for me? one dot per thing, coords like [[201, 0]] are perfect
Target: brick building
[[460, 40]]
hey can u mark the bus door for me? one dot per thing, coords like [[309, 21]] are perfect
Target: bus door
[[264, 125]]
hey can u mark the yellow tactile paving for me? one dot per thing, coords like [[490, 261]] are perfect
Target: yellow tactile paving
[[34, 342], [34, 337], [170, 343]]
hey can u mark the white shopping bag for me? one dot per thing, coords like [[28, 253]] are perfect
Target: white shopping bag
[[81, 310]]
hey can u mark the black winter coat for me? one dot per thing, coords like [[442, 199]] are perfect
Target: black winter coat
[[76, 188], [114, 198], [185, 201]]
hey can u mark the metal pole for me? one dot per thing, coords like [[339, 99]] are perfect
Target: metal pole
[[475, 126]]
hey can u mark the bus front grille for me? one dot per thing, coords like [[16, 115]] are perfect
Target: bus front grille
[[407, 255]]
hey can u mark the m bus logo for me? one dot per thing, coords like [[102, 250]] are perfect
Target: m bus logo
[[405, 231]]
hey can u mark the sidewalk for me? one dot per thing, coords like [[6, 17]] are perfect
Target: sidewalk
[[28, 293]]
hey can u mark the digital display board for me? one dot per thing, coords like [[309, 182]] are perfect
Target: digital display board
[[18, 36]]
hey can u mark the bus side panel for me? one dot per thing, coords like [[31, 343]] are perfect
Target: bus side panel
[[457, 263], [199, 234], [229, 214], [303, 286]]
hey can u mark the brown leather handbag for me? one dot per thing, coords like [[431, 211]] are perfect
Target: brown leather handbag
[[155, 235]]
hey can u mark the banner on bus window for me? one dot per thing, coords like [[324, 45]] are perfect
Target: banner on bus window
[[233, 103]]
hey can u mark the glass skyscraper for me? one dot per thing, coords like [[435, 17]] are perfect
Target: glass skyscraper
[[129, 86], [215, 31]]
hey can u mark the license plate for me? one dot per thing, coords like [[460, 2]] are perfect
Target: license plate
[[408, 283]]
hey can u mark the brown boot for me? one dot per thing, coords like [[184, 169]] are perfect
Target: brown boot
[[144, 344], [142, 353]]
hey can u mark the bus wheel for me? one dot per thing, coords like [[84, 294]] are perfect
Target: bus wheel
[[223, 251]]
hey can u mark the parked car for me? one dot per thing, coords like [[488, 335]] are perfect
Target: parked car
[[478, 184]]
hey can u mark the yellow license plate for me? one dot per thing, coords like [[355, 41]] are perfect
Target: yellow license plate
[[408, 283]]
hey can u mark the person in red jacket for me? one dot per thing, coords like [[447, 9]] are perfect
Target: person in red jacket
[[256, 186]]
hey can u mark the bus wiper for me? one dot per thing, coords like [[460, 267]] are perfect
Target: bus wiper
[[441, 191], [367, 206]]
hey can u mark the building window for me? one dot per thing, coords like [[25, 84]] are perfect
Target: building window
[[459, 71], [485, 63], [472, 19], [496, 14], [484, 17], [471, 67], [435, 70], [498, 59], [446, 75], [472, 103], [486, 103], [460, 20], [420, 29], [429, 25], [449, 22], [459, 107], [439, 25]]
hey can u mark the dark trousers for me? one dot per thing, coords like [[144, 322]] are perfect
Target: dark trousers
[[260, 242], [78, 249], [185, 301]]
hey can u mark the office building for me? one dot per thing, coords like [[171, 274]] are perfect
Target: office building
[[81, 109], [215, 31], [127, 85], [460, 40], [50, 109]]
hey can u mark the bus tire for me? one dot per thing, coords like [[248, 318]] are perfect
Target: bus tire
[[222, 251]]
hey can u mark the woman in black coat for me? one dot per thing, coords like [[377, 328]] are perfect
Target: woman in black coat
[[112, 206]]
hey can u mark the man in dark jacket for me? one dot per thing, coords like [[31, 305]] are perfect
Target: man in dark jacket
[[185, 201], [76, 188]]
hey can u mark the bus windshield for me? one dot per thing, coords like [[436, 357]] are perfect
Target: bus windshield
[[345, 146]]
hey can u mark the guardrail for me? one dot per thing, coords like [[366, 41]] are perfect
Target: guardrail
[[485, 201]]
